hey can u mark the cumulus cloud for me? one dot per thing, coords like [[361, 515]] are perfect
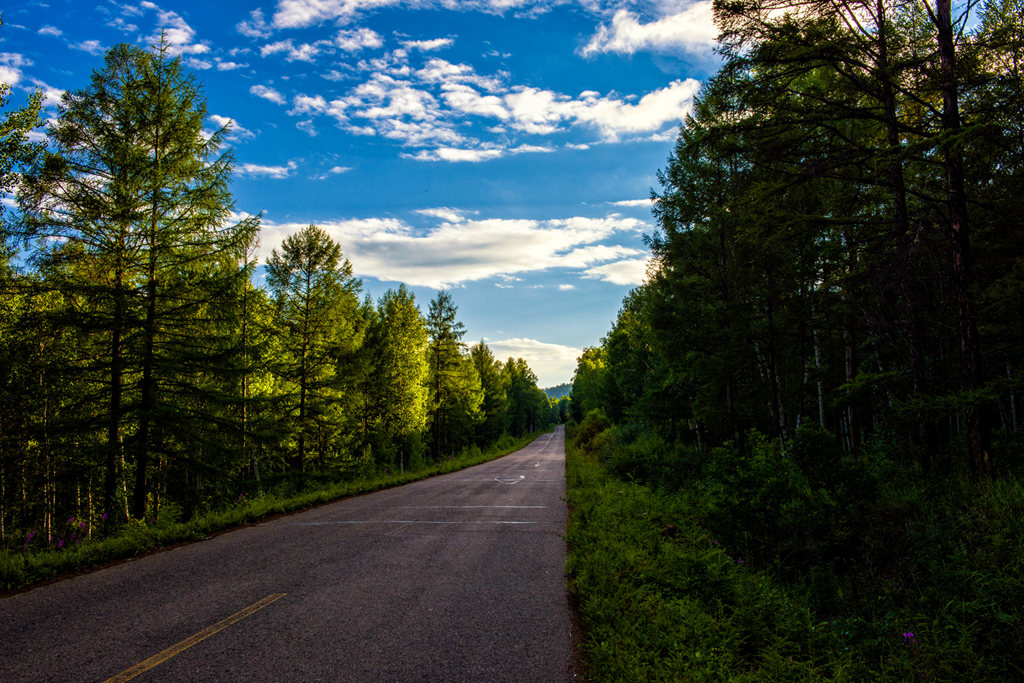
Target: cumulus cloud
[[303, 52], [236, 132], [268, 93], [632, 203], [176, 31], [301, 13], [10, 67], [50, 31], [444, 213], [456, 252], [255, 27], [93, 47], [428, 45], [51, 96], [625, 272], [335, 170], [553, 364], [258, 171], [457, 154], [357, 39], [441, 107], [692, 29]]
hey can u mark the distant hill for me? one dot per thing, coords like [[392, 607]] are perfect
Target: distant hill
[[559, 391]]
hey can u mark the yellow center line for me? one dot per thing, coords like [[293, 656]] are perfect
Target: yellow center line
[[160, 657]]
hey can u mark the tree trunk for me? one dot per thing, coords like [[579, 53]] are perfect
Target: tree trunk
[[967, 327]]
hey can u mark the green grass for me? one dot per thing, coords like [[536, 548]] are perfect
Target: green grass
[[19, 570], [660, 600], [851, 570]]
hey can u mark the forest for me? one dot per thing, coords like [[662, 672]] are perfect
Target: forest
[[151, 368], [822, 372]]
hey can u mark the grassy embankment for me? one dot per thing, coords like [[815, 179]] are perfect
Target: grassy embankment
[[21, 569], [738, 575]]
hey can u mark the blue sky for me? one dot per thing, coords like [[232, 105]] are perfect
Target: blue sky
[[504, 149]]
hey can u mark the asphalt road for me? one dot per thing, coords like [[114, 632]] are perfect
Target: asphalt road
[[455, 578]]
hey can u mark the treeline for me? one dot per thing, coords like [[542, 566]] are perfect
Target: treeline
[[840, 238], [820, 379], [142, 370]]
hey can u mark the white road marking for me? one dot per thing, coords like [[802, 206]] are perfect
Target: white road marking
[[417, 521], [459, 507], [510, 481]]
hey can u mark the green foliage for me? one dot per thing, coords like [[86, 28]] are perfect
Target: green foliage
[[867, 553], [316, 300], [662, 600], [144, 375]]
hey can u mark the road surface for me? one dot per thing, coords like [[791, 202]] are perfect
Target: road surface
[[454, 578]]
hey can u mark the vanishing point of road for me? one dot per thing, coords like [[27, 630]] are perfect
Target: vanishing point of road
[[455, 578]]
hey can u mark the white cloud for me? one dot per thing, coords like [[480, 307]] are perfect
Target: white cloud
[[357, 39], [444, 73], [304, 52], [456, 154], [566, 288], [10, 67], [51, 96], [428, 45], [267, 93], [444, 213], [303, 104], [469, 250], [463, 98], [632, 203], [93, 47], [121, 25], [625, 272], [692, 29], [276, 172], [273, 48], [336, 170], [652, 113], [435, 106], [553, 364], [50, 31], [229, 66], [176, 31], [256, 27], [301, 13], [483, 153], [199, 64], [236, 132]]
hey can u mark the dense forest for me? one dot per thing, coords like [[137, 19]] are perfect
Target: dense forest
[[824, 365], [150, 366]]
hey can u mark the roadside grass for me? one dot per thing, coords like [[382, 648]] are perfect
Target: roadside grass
[[661, 600], [789, 565], [22, 569]]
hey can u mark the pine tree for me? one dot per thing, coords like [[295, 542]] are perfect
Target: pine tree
[[444, 354], [316, 297], [138, 196]]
